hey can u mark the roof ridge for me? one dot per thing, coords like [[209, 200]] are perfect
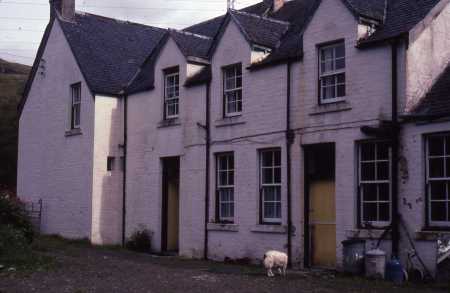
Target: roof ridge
[[83, 13], [189, 34], [260, 17]]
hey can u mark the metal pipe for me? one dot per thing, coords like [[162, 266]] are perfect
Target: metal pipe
[[124, 183], [207, 154], [289, 141], [395, 155]]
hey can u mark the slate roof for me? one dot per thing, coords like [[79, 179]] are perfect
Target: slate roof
[[109, 51], [113, 54], [191, 44], [401, 17], [436, 102], [260, 30]]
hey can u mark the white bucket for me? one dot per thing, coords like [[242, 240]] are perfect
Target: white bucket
[[375, 264]]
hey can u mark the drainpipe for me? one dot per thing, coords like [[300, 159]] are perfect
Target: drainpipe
[[395, 153], [124, 182], [289, 142], [207, 154]]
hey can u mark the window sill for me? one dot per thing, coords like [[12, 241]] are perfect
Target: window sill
[[169, 122], [372, 234], [230, 121], [338, 106], [223, 227], [431, 235], [273, 229], [73, 132]]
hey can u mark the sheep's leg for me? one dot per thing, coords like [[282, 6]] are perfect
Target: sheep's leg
[[269, 272], [279, 270], [284, 269]]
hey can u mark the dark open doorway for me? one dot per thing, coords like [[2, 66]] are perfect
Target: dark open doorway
[[170, 205], [320, 206]]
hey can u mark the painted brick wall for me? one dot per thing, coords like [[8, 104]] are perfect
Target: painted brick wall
[[149, 141], [52, 166], [264, 112], [107, 185]]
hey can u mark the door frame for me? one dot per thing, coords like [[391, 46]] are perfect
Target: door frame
[[307, 244], [165, 201]]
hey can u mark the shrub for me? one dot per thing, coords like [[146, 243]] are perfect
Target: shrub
[[12, 214], [140, 240]]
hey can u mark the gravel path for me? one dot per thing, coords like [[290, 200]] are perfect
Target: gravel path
[[85, 269]]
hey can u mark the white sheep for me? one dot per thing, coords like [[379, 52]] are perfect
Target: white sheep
[[275, 259]]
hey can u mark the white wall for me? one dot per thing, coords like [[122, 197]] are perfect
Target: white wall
[[149, 141], [367, 101], [53, 166], [428, 53], [107, 186], [261, 125]]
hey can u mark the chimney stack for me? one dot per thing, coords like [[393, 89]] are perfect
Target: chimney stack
[[274, 5], [65, 8]]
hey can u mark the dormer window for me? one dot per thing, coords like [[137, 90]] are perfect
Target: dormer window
[[232, 90], [171, 92], [332, 73]]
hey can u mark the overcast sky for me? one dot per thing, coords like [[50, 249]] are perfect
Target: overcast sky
[[22, 22]]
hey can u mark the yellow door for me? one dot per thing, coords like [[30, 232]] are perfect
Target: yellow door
[[323, 223], [172, 215]]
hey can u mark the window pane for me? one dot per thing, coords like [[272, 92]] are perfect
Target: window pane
[[269, 210], [230, 178], [223, 163], [438, 190], [447, 167], [223, 178], [383, 192], [341, 90], [329, 92], [267, 176], [447, 145], [383, 151], [438, 211], [384, 212], [277, 155], [369, 212], [238, 69], [278, 210], [230, 83], [367, 171], [369, 192], [267, 159], [436, 146], [270, 194], [382, 170], [368, 152], [340, 51], [239, 81], [437, 168], [277, 178], [340, 63]]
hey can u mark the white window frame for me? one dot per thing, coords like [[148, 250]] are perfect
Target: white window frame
[[377, 182], [333, 73], [175, 99], [277, 185], [228, 186], [75, 105], [445, 179], [236, 89]]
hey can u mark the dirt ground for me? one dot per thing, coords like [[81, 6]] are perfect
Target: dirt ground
[[80, 268]]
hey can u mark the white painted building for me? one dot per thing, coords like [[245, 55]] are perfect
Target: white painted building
[[233, 132]]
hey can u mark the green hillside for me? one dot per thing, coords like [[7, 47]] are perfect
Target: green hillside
[[13, 77]]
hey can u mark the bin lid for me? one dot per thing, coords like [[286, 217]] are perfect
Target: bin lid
[[376, 252]]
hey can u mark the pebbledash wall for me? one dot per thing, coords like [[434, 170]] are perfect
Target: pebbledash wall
[[53, 165]]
